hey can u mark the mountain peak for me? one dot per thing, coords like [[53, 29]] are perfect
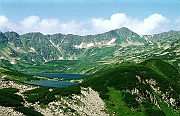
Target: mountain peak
[[125, 32], [124, 28]]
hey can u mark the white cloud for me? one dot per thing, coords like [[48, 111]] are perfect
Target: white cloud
[[155, 23], [5, 24], [50, 26], [178, 21], [116, 21], [29, 24]]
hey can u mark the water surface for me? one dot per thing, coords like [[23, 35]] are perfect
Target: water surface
[[51, 83]]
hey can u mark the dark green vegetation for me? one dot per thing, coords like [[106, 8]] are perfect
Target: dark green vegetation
[[8, 98], [165, 69], [130, 86], [44, 96], [28, 111]]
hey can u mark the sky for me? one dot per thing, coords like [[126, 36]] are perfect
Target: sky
[[84, 17]]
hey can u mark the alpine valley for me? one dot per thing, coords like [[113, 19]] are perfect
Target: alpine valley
[[127, 74]]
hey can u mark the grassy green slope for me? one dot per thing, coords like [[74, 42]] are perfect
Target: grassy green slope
[[16, 76], [163, 68], [117, 86], [63, 66]]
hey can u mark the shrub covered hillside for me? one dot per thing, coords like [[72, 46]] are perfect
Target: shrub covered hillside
[[150, 88], [10, 83]]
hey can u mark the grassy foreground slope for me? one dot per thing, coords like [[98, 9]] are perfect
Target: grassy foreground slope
[[149, 88]]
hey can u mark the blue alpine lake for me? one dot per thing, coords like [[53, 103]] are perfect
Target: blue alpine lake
[[52, 83]]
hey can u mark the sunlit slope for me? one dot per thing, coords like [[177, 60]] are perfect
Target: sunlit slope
[[150, 88]]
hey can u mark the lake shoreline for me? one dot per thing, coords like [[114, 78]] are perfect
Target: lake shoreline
[[56, 80]]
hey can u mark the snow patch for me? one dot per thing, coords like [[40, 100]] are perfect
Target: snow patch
[[167, 46], [131, 43], [60, 58], [90, 45], [13, 62], [84, 45], [44, 59], [112, 41], [80, 46], [164, 53], [32, 49]]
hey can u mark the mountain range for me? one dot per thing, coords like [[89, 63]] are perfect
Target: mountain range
[[23, 51]]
